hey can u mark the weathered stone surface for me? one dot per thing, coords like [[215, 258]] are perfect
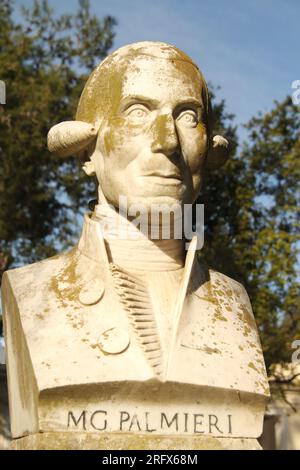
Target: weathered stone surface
[[215, 367], [83, 441], [133, 334]]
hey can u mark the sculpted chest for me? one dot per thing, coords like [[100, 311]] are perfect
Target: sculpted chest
[[93, 326]]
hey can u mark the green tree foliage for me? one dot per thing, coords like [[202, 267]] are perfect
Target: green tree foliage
[[252, 218], [44, 61], [273, 157]]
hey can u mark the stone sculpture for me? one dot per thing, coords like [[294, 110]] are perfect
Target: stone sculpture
[[130, 338]]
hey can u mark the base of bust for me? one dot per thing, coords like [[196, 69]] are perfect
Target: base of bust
[[116, 441]]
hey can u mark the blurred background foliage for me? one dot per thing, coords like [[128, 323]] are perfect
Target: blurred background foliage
[[251, 204]]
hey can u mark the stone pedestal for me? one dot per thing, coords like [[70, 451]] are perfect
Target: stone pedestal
[[124, 441]]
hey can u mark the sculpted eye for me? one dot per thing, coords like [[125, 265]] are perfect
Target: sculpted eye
[[188, 118], [137, 112]]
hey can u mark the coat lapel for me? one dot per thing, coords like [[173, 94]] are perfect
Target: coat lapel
[[133, 294]]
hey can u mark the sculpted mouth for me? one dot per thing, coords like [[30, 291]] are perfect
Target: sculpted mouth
[[166, 175]]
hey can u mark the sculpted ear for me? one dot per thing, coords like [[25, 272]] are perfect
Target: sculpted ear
[[218, 153], [71, 137]]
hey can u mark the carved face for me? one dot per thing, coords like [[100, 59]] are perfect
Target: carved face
[[153, 142]]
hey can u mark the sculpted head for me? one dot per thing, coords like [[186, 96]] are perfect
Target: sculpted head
[[147, 126]]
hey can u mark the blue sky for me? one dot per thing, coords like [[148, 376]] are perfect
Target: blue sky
[[250, 48]]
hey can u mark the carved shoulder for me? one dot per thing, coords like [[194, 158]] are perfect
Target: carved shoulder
[[221, 281]]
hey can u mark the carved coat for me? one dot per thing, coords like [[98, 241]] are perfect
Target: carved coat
[[76, 319]]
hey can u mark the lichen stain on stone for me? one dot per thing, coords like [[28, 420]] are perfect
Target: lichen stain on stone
[[265, 388], [229, 309], [208, 293], [252, 366], [76, 325], [218, 315], [229, 293], [247, 330], [161, 129], [46, 364], [209, 350], [245, 316], [68, 276], [220, 292]]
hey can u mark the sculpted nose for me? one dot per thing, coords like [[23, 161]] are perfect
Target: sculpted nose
[[165, 138]]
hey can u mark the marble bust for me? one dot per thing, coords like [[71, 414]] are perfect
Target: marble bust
[[131, 335]]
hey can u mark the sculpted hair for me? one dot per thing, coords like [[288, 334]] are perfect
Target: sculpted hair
[[101, 96], [103, 88]]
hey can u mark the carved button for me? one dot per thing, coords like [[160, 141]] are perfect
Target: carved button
[[114, 341], [92, 293]]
